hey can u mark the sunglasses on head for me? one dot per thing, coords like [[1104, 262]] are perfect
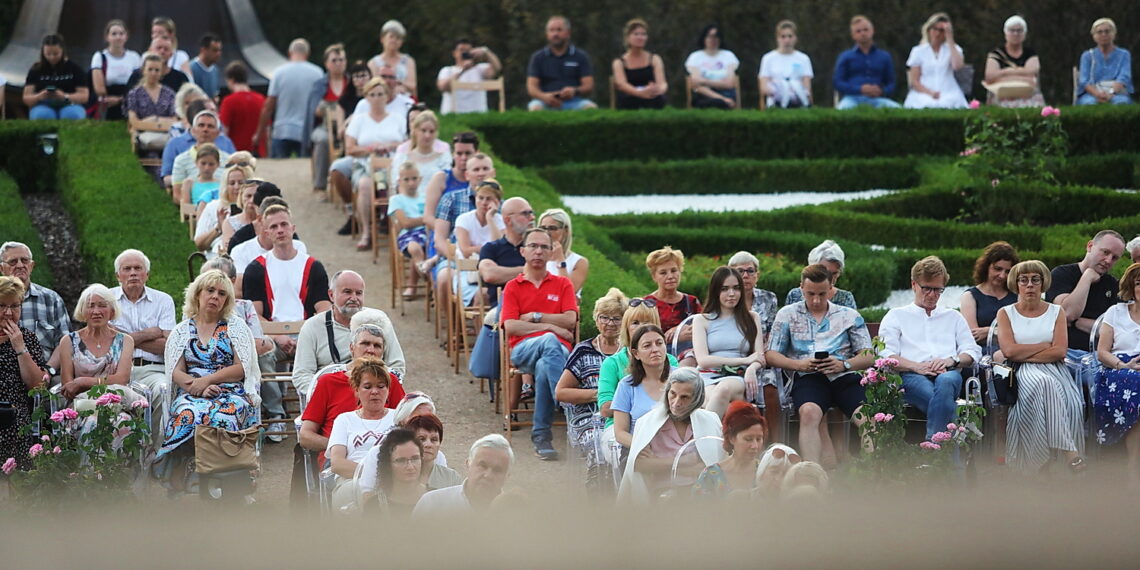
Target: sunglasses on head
[[637, 302], [793, 458], [411, 395]]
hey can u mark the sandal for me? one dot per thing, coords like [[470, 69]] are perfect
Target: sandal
[[1078, 465], [364, 245]]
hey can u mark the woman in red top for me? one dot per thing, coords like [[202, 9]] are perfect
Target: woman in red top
[[665, 266]]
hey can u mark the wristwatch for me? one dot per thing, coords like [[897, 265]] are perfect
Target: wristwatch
[[957, 361], [846, 365], [562, 265], [536, 317]]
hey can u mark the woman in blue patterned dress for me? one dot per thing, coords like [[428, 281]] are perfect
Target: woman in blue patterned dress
[[577, 388], [1117, 394], [211, 361]]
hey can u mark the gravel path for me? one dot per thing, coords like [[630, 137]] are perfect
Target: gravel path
[[466, 414]]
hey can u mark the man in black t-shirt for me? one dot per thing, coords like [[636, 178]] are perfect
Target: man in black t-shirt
[[559, 77], [1086, 290], [500, 260]]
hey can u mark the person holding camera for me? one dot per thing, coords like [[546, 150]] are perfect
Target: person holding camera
[[825, 346], [559, 77], [472, 64]]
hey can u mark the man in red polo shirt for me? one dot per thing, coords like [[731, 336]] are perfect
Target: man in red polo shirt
[[332, 395], [539, 314]]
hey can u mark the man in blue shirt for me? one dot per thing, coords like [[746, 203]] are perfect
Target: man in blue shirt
[[559, 77], [204, 68], [864, 74]]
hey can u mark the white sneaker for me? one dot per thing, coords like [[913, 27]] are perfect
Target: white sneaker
[[277, 432]]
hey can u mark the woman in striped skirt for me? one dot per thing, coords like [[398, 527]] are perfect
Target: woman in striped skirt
[[1047, 416]]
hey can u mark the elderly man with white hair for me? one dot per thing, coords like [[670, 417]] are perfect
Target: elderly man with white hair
[[324, 338], [831, 256], [147, 315], [1133, 249], [42, 311], [489, 464]]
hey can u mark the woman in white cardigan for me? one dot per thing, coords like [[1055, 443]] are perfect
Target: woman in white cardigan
[[662, 432]]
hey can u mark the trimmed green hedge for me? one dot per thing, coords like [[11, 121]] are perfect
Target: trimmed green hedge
[[731, 176], [32, 169], [17, 226], [114, 202], [540, 139]]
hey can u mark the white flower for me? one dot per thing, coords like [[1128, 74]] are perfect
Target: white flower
[[1128, 395], [1100, 437], [1112, 387], [1118, 417]]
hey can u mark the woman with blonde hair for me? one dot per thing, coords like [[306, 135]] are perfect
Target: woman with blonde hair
[[665, 266], [423, 149], [150, 107], [932, 65], [220, 217], [163, 27], [212, 364], [1105, 70], [564, 262]]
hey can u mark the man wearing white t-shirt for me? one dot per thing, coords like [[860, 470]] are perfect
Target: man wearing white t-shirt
[[285, 285], [472, 64], [262, 243]]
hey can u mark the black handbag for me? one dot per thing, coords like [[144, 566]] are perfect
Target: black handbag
[[1005, 383], [7, 415]]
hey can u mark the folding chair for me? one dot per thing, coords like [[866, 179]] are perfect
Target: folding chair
[[380, 167], [284, 376], [464, 316], [146, 162], [496, 84], [507, 373], [189, 214], [684, 448], [400, 270]]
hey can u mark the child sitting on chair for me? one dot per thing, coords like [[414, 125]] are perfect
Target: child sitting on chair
[[408, 210], [205, 187]]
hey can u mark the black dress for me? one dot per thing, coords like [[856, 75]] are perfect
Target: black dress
[[638, 77], [13, 390], [987, 307]]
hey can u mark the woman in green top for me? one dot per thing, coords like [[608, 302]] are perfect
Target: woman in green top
[[616, 366]]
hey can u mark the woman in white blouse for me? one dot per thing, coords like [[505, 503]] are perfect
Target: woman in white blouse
[[932, 65], [1116, 398]]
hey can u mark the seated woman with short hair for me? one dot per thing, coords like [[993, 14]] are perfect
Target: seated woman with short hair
[[744, 431], [399, 488], [356, 432], [97, 353], [1105, 70], [564, 262], [662, 432]]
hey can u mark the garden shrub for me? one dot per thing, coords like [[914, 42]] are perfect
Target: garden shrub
[[17, 226]]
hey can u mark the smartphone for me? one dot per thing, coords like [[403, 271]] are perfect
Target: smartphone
[[235, 209], [466, 55], [50, 88], [821, 355]]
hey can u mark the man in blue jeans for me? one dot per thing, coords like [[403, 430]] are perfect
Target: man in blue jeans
[[539, 311], [932, 344]]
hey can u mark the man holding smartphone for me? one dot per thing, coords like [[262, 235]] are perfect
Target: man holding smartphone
[[823, 344], [559, 77], [932, 345]]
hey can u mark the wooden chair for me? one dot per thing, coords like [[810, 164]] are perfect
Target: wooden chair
[[463, 317], [689, 91], [507, 372], [400, 269], [496, 84], [613, 94], [1076, 83], [146, 162], [381, 165], [189, 214], [336, 150], [290, 398]]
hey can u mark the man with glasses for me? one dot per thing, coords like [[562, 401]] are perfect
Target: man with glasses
[[288, 104], [539, 313], [187, 140], [42, 311], [817, 327], [501, 260], [206, 129], [932, 344], [1086, 290], [325, 340]]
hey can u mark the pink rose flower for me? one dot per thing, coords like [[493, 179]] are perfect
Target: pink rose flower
[[9, 466], [940, 437], [961, 429], [929, 445], [974, 104], [35, 450], [108, 399], [56, 450], [888, 417], [45, 439], [879, 417], [69, 414], [139, 404], [951, 426], [863, 382]]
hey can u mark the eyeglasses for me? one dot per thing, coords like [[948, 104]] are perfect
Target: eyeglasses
[[1104, 31], [1029, 280], [746, 270], [608, 320], [17, 261], [12, 308], [362, 75], [1015, 31], [539, 246], [928, 290], [636, 302], [405, 461], [552, 228]]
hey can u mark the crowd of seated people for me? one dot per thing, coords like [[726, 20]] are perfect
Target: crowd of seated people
[[669, 375]]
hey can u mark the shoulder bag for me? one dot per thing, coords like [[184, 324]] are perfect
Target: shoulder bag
[[217, 450]]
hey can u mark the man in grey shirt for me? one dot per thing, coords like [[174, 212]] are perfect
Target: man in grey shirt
[[287, 103]]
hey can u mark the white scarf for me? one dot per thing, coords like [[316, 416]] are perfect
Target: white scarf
[[242, 339], [705, 423]]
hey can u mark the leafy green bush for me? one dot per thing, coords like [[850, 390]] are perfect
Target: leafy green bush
[[18, 227], [32, 169], [731, 176]]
